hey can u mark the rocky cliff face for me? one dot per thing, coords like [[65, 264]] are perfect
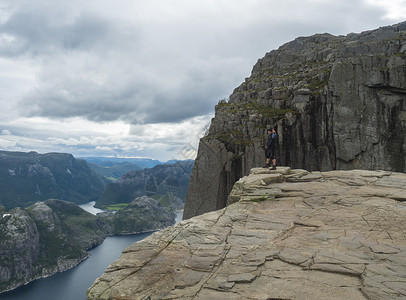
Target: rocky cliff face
[[46, 238], [26, 178], [286, 234], [338, 102], [53, 236]]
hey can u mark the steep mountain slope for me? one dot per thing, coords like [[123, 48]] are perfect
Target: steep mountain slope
[[26, 178], [113, 171], [167, 183], [338, 102], [143, 214], [53, 236], [43, 239]]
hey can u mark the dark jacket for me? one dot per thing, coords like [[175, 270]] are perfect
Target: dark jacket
[[271, 143]]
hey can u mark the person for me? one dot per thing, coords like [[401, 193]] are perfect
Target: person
[[270, 149]]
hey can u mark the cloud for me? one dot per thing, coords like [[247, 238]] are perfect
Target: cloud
[[145, 65], [395, 10], [166, 62], [86, 138], [5, 132]]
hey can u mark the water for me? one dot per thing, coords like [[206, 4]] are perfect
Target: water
[[72, 284], [89, 207]]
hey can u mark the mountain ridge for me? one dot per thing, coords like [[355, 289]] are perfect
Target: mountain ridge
[[26, 178], [165, 182]]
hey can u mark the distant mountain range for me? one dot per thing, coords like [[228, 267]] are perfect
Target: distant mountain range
[[113, 171], [141, 162], [40, 235], [114, 167], [26, 178], [167, 183]]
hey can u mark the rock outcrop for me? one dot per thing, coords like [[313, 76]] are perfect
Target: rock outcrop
[[286, 234], [44, 239], [338, 102]]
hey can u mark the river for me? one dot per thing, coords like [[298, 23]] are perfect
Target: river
[[72, 284]]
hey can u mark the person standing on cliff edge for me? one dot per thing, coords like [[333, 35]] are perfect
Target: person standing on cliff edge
[[270, 149]]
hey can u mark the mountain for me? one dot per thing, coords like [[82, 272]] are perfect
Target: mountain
[[53, 236], [110, 161], [166, 183], [26, 178], [43, 239], [143, 214], [337, 102], [112, 171], [286, 234]]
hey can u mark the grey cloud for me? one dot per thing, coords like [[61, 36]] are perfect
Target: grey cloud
[[130, 104], [155, 70], [37, 32]]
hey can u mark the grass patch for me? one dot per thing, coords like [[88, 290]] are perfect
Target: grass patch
[[164, 199], [260, 199], [254, 108], [117, 206]]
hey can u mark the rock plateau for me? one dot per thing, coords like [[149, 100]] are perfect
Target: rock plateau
[[285, 234]]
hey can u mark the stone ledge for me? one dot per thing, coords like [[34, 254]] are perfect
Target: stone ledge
[[312, 235]]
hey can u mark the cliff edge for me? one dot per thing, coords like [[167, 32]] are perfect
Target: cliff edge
[[338, 103], [286, 234]]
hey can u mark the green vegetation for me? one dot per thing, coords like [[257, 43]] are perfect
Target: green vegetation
[[116, 207], [54, 245], [263, 198], [254, 108], [114, 171], [164, 199], [162, 182], [239, 136], [315, 84], [26, 178], [400, 54]]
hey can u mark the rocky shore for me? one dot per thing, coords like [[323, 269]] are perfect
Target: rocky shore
[[286, 234]]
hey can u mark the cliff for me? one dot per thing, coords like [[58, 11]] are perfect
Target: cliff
[[286, 234], [26, 178], [44, 239], [53, 236], [338, 102]]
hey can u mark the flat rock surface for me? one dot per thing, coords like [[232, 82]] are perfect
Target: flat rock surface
[[320, 235]]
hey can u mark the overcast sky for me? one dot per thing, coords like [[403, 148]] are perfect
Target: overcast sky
[[141, 78]]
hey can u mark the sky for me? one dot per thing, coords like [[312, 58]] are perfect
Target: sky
[[132, 78]]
